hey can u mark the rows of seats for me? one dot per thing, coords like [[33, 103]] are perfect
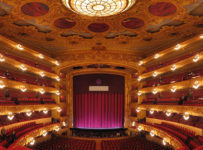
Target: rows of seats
[[195, 121], [134, 143], [26, 78], [20, 117], [62, 143], [31, 63], [187, 136], [169, 62]]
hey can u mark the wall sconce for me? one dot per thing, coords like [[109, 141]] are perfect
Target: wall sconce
[[2, 59], [138, 110], [64, 123], [59, 109], [42, 74], [154, 91], [42, 91], [10, 116], [168, 113], [44, 133], [45, 111], [57, 63], [58, 93], [2, 85], [152, 133], [173, 67], [156, 56], [151, 111], [186, 116], [32, 141], [20, 47], [177, 47], [164, 141], [41, 56], [139, 128], [140, 63], [139, 93], [22, 67], [155, 74], [28, 113], [201, 36], [196, 58], [57, 128], [23, 88], [196, 85], [173, 89], [139, 78], [57, 78]]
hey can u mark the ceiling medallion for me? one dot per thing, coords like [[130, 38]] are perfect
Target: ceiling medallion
[[98, 8]]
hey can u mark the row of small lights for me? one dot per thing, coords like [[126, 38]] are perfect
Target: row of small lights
[[173, 67], [23, 68], [10, 115], [168, 113], [41, 56], [24, 89], [44, 133], [173, 89], [156, 56]]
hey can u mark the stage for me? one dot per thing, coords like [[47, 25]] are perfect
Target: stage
[[85, 132]]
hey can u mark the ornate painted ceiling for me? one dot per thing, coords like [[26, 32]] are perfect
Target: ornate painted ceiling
[[147, 27]]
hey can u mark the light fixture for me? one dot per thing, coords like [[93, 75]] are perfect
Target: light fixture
[[57, 78], [152, 133], [2, 85], [97, 7], [139, 78], [173, 67], [57, 63], [168, 113], [154, 91], [2, 59], [177, 47], [155, 74], [42, 74], [64, 123], [156, 56], [32, 141], [196, 58], [44, 133], [22, 67], [139, 93], [10, 116], [20, 47], [57, 128], [201, 36], [59, 109], [151, 111], [42, 91], [173, 89], [196, 85], [138, 110], [186, 116], [139, 128], [140, 63], [28, 113], [58, 93], [41, 56], [23, 88], [45, 111], [164, 141]]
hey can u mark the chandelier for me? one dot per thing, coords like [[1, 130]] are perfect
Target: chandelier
[[98, 8]]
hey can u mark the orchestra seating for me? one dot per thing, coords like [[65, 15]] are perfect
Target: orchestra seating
[[62, 143], [134, 143]]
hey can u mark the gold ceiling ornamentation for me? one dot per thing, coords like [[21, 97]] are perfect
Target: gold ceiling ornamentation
[[98, 8]]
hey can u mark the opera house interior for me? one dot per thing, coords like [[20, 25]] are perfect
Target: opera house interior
[[101, 74]]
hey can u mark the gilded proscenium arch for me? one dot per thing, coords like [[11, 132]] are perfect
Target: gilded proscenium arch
[[69, 83]]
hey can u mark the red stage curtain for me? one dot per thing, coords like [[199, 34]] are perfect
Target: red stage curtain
[[98, 110]]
